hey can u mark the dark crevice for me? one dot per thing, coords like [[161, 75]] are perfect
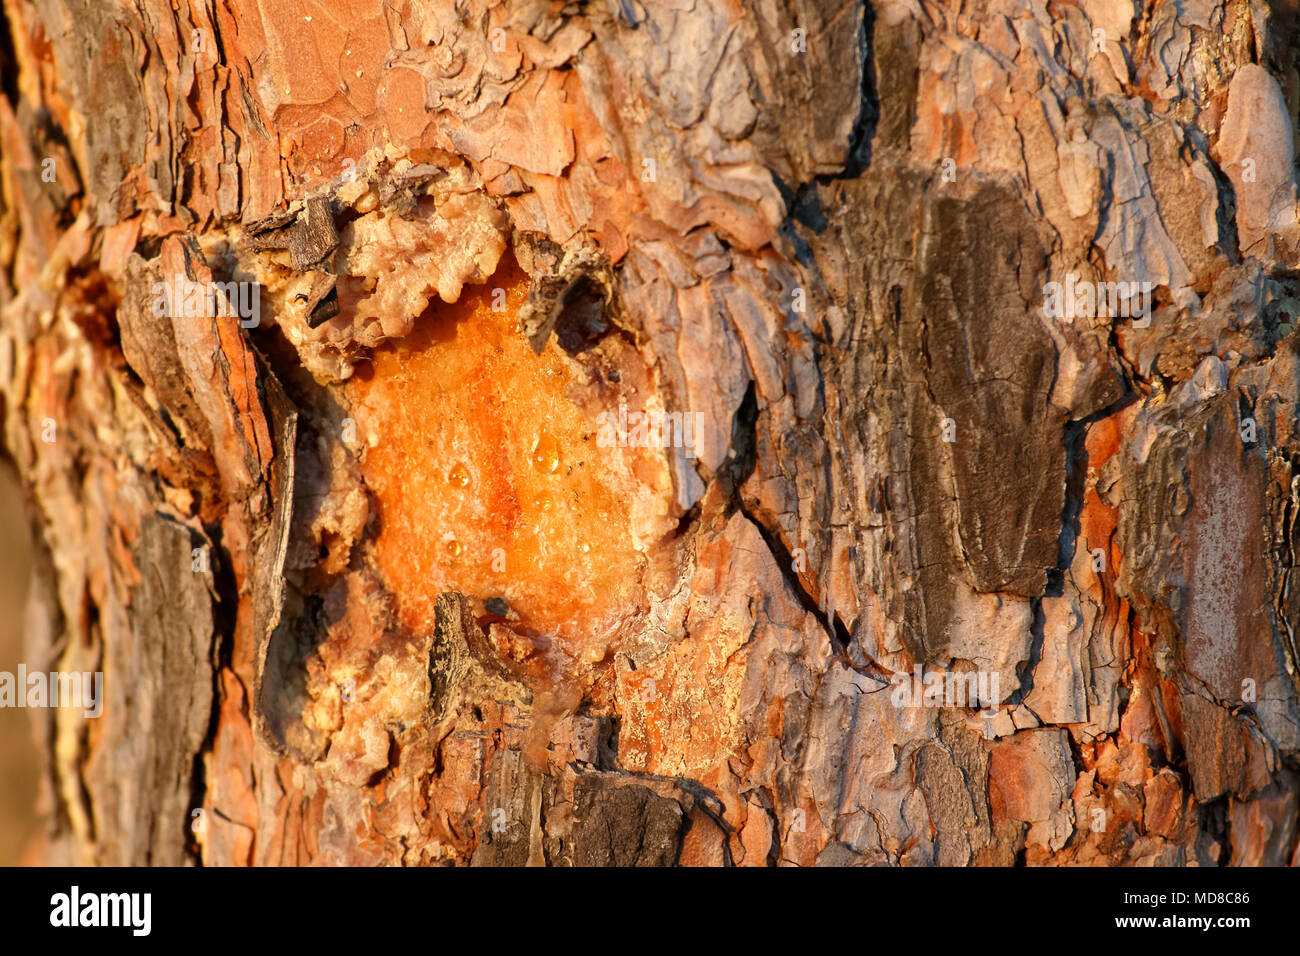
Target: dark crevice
[[803, 201], [1076, 478], [304, 624], [8, 65], [607, 744], [227, 599], [742, 458], [1212, 822], [1025, 669], [864, 130], [224, 604], [838, 633], [394, 760], [742, 455], [581, 323]]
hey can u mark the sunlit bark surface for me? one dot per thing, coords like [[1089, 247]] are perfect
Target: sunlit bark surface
[[658, 433]]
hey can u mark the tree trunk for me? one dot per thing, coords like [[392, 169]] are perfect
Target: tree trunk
[[652, 433]]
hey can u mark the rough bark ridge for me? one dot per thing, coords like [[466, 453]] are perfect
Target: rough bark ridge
[[830, 229]]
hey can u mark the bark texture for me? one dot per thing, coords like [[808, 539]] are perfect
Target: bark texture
[[828, 228]]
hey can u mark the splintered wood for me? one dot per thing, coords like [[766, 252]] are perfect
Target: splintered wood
[[489, 479]]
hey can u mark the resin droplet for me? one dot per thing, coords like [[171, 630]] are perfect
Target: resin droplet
[[546, 453], [459, 476], [454, 548]]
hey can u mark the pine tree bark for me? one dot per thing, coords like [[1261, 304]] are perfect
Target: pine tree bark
[[831, 232]]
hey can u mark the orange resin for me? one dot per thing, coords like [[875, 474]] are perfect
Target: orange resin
[[484, 462]]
